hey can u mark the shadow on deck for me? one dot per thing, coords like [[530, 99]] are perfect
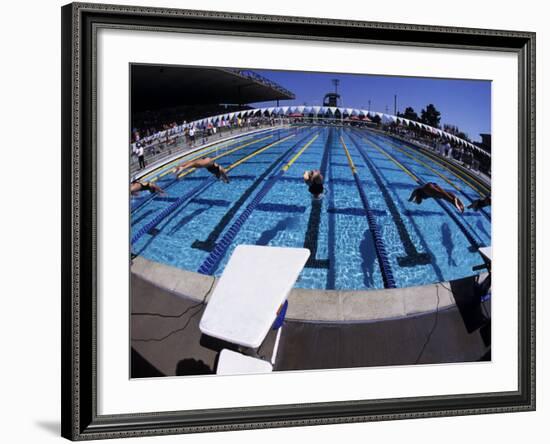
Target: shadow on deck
[[166, 340]]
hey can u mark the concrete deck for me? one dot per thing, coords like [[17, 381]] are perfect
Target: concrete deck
[[313, 305], [451, 326]]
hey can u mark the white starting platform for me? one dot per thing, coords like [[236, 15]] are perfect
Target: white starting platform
[[233, 363], [254, 285], [487, 253]]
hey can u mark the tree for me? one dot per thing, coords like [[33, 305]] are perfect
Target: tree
[[410, 114], [453, 129], [430, 116], [376, 119]]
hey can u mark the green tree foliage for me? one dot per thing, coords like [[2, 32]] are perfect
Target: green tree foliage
[[453, 129], [410, 114], [430, 116]]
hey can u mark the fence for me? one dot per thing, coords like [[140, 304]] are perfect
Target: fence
[[180, 143]]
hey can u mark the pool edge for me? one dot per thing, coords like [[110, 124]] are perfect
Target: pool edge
[[307, 305]]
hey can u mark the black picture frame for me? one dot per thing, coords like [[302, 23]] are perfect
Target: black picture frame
[[79, 172]]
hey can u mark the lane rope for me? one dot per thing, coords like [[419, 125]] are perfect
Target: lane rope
[[213, 260], [381, 253], [199, 188]]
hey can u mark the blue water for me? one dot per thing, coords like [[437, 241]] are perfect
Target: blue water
[[425, 243]]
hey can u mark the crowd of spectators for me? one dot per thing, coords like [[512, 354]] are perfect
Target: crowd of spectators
[[470, 158], [146, 143], [188, 135]]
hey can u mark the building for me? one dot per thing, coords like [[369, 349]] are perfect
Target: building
[[164, 94], [485, 143]]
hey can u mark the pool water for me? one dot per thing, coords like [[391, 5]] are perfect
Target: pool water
[[266, 205]]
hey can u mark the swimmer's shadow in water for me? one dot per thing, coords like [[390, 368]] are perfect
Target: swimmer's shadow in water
[[414, 259]]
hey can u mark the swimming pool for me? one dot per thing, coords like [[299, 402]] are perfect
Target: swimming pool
[[363, 233]]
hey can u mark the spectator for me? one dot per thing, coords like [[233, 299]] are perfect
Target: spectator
[[141, 157]]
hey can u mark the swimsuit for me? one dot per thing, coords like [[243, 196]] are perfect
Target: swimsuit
[[214, 169], [146, 187], [316, 189]]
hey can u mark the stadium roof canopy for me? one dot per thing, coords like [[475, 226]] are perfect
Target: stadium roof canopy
[[160, 86]]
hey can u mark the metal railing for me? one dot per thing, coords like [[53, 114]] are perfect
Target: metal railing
[[181, 143]]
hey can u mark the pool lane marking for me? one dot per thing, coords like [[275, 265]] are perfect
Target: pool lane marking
[[456, 187], [420, 181], [299, 153], [350, 160], [200, 152], [212, 261], [394, 160], [381, 254], [477, 186], [413, 257], [469, 236], [198, 189], [311, 237], [219, 156], [159, 217], [209, 243], [261, 150], [460, 175], [440, 175], [152, 196], [331, 244]]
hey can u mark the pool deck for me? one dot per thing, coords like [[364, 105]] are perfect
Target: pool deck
[[440, 323], [312, 305]]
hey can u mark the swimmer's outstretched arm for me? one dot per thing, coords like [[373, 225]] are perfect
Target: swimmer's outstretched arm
[[182, 166], [223, 175], [452, 198], [480, 203], [156, 188], [413, 195]]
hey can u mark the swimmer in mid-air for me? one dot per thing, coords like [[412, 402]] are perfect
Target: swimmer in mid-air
[[434, 191], [478, 204], [208, 163], [136, 186], [314, 180]]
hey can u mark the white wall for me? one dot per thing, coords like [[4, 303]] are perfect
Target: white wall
[[30, 319]]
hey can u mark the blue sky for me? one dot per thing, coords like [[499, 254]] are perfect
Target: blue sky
[[464, 103]]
